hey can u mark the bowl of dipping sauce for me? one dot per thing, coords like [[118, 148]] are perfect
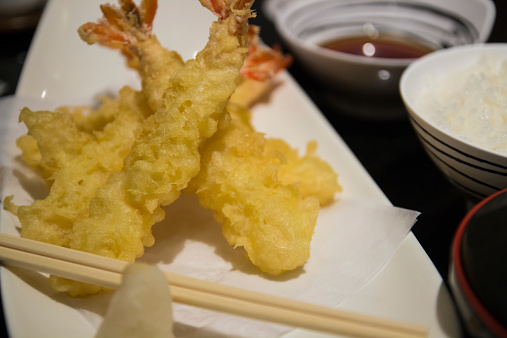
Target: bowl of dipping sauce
[[457, 103], [478, 272], [359, 49]]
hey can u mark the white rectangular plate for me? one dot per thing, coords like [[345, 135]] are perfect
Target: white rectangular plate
[[61, 69]]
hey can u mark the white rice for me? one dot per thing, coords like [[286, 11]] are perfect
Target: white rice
[[472, 104]]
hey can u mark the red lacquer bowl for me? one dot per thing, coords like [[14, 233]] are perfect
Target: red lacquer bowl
[[478, 274]]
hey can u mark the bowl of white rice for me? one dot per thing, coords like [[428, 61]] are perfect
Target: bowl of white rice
[[457, 103]]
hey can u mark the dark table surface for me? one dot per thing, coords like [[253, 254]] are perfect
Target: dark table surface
[[389, 150]]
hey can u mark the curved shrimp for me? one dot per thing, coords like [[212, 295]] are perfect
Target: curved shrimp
[[239, 181], [165, 154], [129, 28], [263, 193], [260, 68], [293, 225], [244, 174]]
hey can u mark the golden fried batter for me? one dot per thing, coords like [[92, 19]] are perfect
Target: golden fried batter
[[238, 180], [30, 154], [314, 176], [113, 168], [165, 154], [82, 161]]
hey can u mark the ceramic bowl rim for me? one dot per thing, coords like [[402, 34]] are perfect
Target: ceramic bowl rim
[[433, 58], [321, 52]]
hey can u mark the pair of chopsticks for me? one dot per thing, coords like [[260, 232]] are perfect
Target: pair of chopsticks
[[106, 272]]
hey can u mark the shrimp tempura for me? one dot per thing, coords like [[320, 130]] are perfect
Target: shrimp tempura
[[128, 28], [280, 254], [165, 155], [239, 181], [276, 240], [81, 161]]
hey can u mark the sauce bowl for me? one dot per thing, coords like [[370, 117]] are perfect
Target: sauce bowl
[[305, 26]]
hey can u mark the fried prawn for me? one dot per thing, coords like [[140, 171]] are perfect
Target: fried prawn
[[165, 154], [187, 129], [77, 165]]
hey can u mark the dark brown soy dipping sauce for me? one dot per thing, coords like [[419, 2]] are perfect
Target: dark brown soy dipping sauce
[[385, 46]]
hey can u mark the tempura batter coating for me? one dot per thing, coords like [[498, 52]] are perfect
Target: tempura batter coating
[[30, 154], [262, 64], [314, 176], [83, 161], [165, 155], [262, 192], [90, 120], [238, 180], [260, 205]]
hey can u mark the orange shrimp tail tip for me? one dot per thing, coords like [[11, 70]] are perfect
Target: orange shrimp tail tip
[[141, 17], [122, 25], [102, 33], [224, 8], [263, 63], [148, 11]]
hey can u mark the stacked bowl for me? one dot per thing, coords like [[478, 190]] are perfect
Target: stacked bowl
[[457, 103]]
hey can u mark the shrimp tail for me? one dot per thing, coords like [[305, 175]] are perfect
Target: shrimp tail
[[225, 8], [263, 63], [121, 27], [128, 28]]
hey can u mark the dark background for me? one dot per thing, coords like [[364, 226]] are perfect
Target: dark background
[[389, 150]]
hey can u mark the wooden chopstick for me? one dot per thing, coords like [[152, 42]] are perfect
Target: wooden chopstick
[[106, 272]]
